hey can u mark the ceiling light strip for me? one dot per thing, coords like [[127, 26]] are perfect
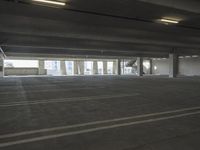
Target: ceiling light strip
[[169, 21], [51, 2]]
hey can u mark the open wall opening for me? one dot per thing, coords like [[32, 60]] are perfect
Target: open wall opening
[[62, 67], [160, 66], [20, 67], [53, 67]]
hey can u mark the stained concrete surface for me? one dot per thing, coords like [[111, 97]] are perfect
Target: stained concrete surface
[[35, 103]]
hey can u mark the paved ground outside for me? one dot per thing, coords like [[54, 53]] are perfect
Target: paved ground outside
[[99, 113]]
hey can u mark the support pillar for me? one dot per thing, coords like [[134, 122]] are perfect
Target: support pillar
[[81, 67], [41, 69], [95, 67], [1, 66], [140, 66], [63, 67], [173, 65], [75, 67], [105, 67], [151, 66], [115, 67], [119, 67]]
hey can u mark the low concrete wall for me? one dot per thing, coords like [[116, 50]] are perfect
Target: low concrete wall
[[186, 66], [20, 71], [189, 66], [160, 67]]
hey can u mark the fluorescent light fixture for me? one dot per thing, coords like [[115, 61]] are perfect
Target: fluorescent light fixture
[[51, 2], [195, 56], [169, 21], [187, 56]]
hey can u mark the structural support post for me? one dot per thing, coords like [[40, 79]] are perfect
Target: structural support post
[[75, 67], [119, 67], [140, 66], [114, 71], [63, 67], [1, 66], [95, 67], [173, 65], [41, 70], [151, 66], [81, 67], [105, 67]]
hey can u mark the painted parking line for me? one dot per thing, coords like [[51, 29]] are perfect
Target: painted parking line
[[49, 90], [62, 100], [94, 129], [98, 122]]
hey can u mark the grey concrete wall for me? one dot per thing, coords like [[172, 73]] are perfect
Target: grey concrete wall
[[41, 69], [162, 67], [189, 66], [20, 71]]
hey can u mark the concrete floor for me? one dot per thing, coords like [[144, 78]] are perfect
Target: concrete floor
[[99, 113]]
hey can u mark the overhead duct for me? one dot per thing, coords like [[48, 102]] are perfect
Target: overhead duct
[[187, 5]]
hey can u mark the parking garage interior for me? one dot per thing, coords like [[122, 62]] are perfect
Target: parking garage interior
[[99, 75]]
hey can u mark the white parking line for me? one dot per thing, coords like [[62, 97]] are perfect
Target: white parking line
[[73, 99], [49, 90], [96, 122], [40, 138]]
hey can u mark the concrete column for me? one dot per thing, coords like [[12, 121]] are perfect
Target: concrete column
[[81, 67], [95, 67], [119, 67], [173, 65], [151, 66], [115, 67], [1, 66], [105, 67], [41, 70], [75, 67], [63, 67], [140, 66]]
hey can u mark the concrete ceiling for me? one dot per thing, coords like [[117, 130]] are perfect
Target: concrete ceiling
[[100, 27]]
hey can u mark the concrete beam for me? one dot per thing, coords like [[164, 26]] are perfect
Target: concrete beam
[[191, 5]]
